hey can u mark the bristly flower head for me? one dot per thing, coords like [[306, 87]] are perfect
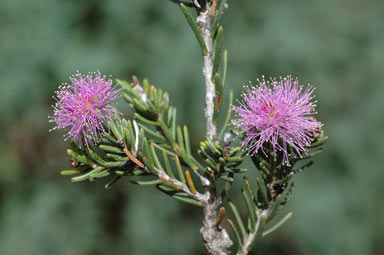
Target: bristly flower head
[[83, 106], [278, 113]]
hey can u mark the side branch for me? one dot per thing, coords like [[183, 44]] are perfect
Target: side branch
[[201, 198], [250, 239]]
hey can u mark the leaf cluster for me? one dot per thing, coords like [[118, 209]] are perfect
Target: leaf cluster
[[271, 191], [152, 149]]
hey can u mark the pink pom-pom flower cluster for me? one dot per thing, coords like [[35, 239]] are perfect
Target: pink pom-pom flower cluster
[[83, 106], [278, 112]]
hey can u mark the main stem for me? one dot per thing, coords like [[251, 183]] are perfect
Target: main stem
[[204, 23], [216, 240]]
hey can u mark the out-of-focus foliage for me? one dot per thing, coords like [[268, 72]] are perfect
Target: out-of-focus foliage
[[335, 45]]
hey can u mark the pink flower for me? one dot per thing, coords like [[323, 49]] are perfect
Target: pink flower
[[277, 113], [83, 106]]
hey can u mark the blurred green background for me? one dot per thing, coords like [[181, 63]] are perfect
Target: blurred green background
[[336, 45]]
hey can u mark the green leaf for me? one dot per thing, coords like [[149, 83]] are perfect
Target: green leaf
[[145, 183], [262, 189], [216, 18], [185, 158], [260, 163], [259, 233], [132, 134], [250, 191], [223, 163], [166, 99], [116, 131], [226, 189], [130, 94], [113, 149], [192, 23], [70, 172], [179, 169], [161, 148], [206, 154], [146, 86], [226, 178], [153, 97], [188, 200], [240, 170], [251, 213], [225, 61], [164, 114], [80, 157], [95, 157], [174, 119], [212, 165], [167, 164], [167, 190], [102, 162], [155, 158], [238, 238], [228, 169], [152, 133], [86, 176], [310, 155], [113, 181], [148, 160], [212, 147], [278, 224], [275, 207], [197, 163], [238, 219], [167, 132], [100, 174], [186, 139], [180, 139], [145, 120], [138, 172], [128, 99], [233, 159], [126, 133], [227, 116], [160, 96], [107, 138], [116, 157], [217, 46], [141, 107], [124, 84], [300, 169], [320, 141], [218, 97]]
